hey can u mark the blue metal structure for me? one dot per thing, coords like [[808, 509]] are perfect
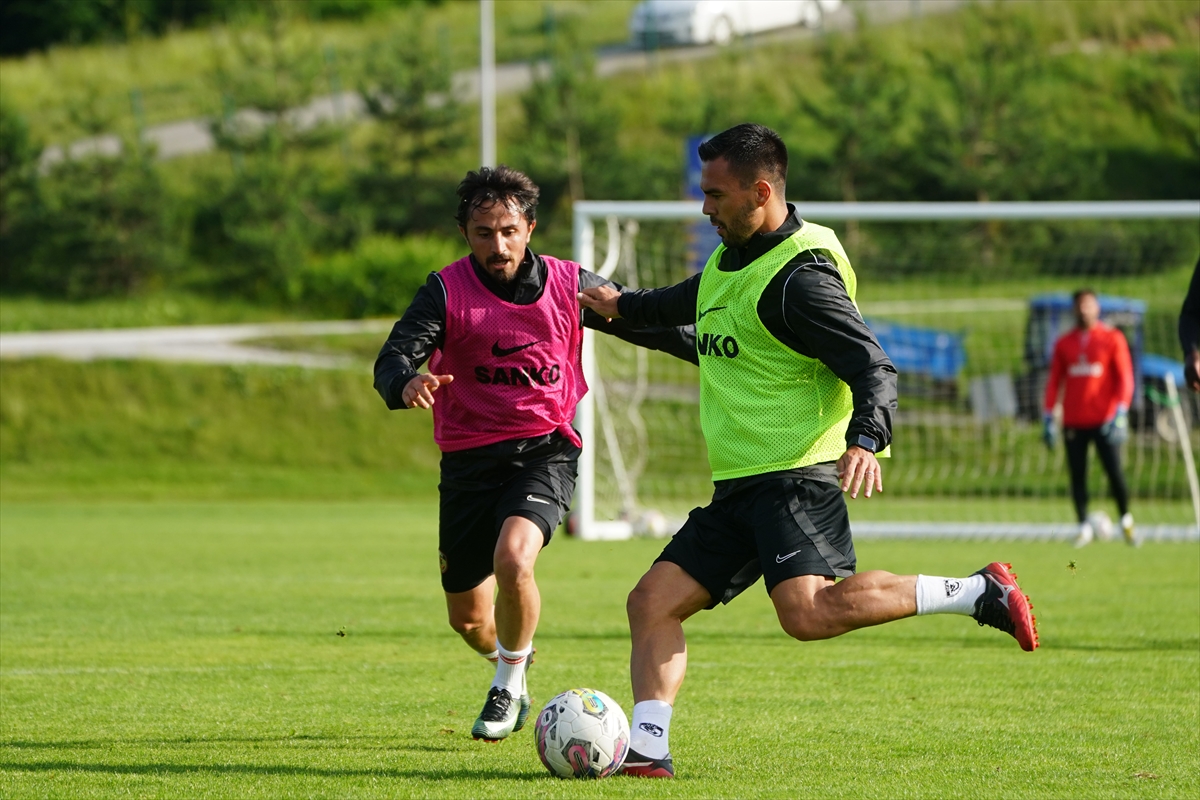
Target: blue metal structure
[[939, 355]]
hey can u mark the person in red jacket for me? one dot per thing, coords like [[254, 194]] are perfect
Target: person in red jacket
[[1092, 368]]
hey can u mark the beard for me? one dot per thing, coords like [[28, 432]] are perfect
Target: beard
[[503, 270], [738, 227]]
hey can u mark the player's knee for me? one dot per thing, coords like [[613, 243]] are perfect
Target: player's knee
[[644, 605], [464, 623], [804, 629], [512, 568]]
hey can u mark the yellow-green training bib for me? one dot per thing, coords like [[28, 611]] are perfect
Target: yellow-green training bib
[[763, 406]]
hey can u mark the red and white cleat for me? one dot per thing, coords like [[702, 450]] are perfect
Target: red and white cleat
[[639, 766], [1002, 605]]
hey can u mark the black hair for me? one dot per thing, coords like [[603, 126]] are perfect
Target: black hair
[[496, 185], [1083, 293], [753, 151]]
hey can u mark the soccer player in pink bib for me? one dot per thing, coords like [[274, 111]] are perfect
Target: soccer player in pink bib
[[502, 332]]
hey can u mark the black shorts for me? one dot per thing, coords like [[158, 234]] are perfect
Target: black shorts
[[782, 528], [471, 517]]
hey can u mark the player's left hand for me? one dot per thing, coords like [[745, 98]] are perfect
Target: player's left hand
[[1116, 430], [858, 466]]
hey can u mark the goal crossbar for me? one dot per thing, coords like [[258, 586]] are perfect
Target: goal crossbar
[[588, 210]]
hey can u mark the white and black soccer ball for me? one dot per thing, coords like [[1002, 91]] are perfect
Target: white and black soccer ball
[[651, 524], [1102, 525], [582, 733]]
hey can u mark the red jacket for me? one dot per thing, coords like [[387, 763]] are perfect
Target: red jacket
[[1095, 368]]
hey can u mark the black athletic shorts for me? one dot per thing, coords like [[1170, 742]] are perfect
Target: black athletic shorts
[[531, 478], [780, 528]]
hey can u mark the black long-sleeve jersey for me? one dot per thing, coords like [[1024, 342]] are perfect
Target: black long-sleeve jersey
[[806, 307], [1189, 315]]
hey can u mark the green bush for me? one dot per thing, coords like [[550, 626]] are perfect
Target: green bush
[[92, 228], [377, 278], [88, 227], [18, 192], [251, 234]]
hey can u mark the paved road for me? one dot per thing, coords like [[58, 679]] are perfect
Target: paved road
[[227, 344], [208, 344], [186, 137]]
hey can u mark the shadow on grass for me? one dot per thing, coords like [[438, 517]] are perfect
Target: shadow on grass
[[1048, 643], [280, 770], [904, 637], [451, 746], [1149, 645]]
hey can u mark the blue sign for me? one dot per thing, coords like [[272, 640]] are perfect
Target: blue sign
[[702, 237]]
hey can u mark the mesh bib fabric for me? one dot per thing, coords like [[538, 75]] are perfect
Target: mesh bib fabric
[[763, 406], [517, 369]]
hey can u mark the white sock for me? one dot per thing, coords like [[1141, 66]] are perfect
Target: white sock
[[493, 657], [510, 670], [651, 725], [948, 595]]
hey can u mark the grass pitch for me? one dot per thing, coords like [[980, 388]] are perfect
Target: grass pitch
[[181, 650]]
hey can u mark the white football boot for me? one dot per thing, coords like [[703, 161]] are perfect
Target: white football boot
[[1131, 537]]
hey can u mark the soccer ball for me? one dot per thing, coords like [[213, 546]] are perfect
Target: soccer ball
[[1102, 525], [651, 524], [582, 733]]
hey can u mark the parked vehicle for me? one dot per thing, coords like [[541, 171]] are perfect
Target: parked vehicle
[[663, 22]]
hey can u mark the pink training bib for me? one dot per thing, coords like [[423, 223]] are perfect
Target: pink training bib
[[517, 369]]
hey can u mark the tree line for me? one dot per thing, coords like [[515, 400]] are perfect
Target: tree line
[[29, 25], [996, 102]]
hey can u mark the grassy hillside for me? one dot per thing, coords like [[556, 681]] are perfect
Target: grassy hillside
[[151, 309], [140, 429], [174, 76]]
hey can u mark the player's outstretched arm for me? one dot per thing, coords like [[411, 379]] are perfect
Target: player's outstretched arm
[[859, 466], [675, 340], [413, 339], [669, 307], [418, 392]]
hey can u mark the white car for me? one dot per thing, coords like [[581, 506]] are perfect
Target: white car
[[662, 22]]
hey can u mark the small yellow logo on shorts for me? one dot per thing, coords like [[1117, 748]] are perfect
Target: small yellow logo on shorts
[[442, 561]]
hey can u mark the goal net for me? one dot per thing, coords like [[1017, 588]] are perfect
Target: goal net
[[967, 299]]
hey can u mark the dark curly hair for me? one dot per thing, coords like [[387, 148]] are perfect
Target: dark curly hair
[[496, 185], [753, 151]]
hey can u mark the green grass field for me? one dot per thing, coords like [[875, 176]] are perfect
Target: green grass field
[[190, 649]]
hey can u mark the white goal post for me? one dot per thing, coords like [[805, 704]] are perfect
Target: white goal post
[[619, 222]]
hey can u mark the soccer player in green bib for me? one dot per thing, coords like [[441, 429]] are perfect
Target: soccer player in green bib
[[796, 403]]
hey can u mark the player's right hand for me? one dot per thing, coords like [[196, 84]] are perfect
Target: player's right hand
[[859, 468], [1191, 370], [418, 392], [602, 300]]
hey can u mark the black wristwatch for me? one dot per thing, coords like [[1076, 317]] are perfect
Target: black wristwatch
[[866, 443]]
